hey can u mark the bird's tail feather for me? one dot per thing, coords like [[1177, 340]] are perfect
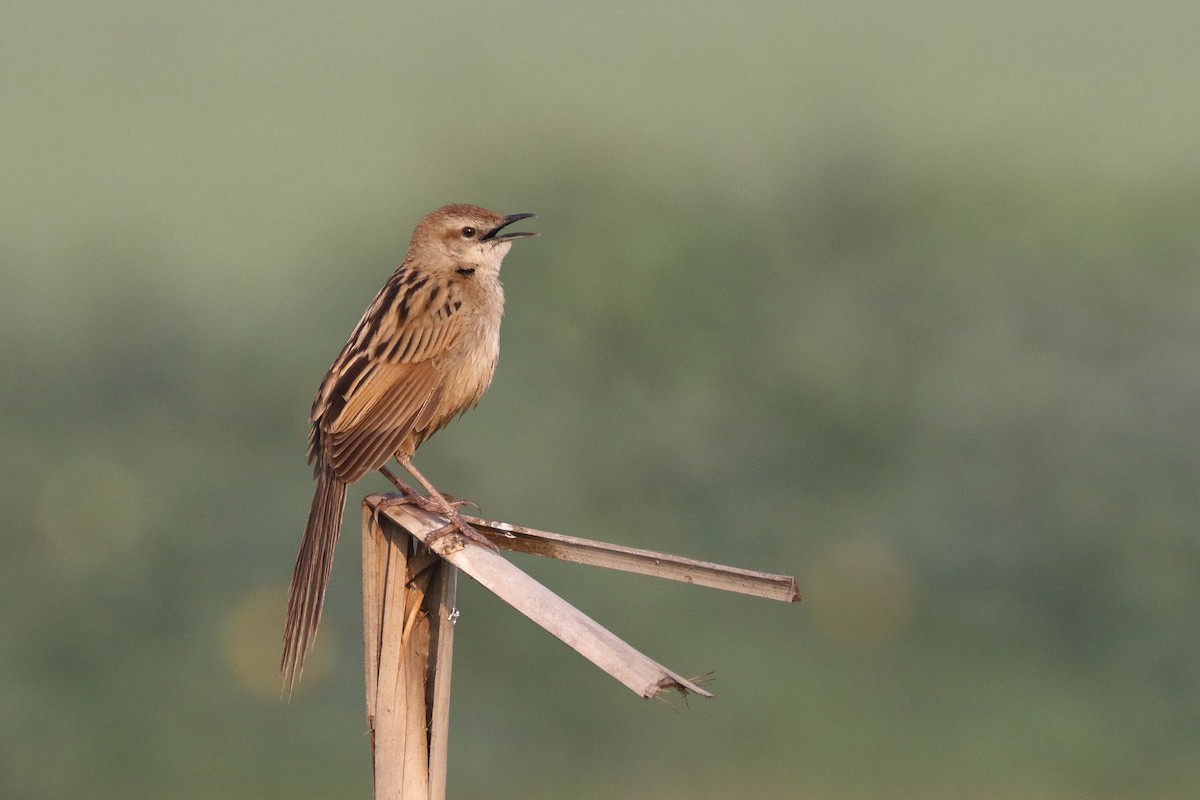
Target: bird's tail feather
[[311, 574]]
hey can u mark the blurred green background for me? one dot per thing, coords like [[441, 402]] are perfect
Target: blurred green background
[[902, 300]]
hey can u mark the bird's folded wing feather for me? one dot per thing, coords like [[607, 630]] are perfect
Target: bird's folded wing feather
[[385, 385]]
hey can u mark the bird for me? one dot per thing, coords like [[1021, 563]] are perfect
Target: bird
[[423, 353]]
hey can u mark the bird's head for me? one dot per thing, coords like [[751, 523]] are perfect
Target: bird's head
[[466, 236]]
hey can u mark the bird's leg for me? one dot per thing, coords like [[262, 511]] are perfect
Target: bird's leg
[[444, 507], [411, 497], [403, 487], [434, 503]]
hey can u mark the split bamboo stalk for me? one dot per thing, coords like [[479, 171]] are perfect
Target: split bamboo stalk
[[408, 625], [636, 671], [592, 553], [408, 630]]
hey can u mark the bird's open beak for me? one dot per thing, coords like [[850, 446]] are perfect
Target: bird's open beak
[[494, 233]]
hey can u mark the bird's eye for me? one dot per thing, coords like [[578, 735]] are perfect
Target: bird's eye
[[468, 232]]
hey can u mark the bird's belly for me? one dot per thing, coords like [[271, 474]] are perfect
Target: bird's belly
[[467, 375]]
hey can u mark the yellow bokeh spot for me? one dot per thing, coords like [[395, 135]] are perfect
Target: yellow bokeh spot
[[862, 593], [252, 641]]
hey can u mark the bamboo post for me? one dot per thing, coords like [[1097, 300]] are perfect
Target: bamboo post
[[408, 625], [408, 631]]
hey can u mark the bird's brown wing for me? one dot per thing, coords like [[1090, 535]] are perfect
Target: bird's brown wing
[[388, 381]]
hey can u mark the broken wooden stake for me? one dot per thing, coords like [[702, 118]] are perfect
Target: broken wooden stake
[[408, 625], [408, 633]]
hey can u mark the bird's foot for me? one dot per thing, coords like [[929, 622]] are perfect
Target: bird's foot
[[456, 504], [457, 523], [443, 507]]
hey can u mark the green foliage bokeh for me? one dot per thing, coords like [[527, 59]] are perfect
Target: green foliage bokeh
[[946, 375]]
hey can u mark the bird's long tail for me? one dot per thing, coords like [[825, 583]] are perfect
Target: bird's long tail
[[311, 574]]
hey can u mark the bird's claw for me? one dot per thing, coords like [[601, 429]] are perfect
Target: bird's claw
[[456, 504], [455, 522]]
